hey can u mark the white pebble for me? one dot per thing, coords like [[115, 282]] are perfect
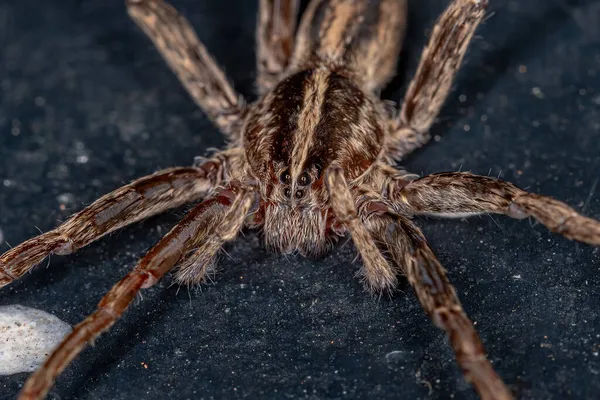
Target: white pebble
[[27, 337]]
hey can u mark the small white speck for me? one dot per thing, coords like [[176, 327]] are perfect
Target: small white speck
[[537, 92], [40, 101], [516, 276], [82, 159], [16, 127], [395, 356], [65, 198]]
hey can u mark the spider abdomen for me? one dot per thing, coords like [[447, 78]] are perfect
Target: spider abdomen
[[360, 37]]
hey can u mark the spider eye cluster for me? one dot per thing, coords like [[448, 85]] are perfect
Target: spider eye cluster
[[286, 179]]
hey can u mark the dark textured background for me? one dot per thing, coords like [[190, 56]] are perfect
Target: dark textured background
[[86, 104]]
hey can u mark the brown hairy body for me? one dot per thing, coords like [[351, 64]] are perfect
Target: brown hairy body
[[310, 161]]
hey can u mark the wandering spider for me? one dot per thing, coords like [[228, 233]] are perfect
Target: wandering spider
[[384, 197]]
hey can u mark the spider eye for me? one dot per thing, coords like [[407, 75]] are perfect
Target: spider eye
[[304, 179], [299, 194], [286, 177], [287, 193]]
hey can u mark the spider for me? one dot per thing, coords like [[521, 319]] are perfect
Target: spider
[[309, 162]]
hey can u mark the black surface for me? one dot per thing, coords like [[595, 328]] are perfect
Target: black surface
[[86, 104]]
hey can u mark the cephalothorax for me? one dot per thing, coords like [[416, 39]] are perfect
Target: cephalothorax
[[308, 162]]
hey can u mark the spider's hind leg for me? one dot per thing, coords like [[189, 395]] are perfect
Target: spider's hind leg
[[429, 88], [275, 34], [177, 42]]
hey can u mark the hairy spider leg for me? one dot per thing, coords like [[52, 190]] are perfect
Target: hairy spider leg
[[142, 198], [439, 64], [379, 276], [409, 250], [207, 226], [452, 194], [275, 39], [176, 40]]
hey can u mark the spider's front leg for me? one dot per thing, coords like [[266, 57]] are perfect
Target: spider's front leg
[[379, 276], [456, 194], [140, 199], [429, 88], [177, 42], [206, 228], [408, 248], [275, 33]]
